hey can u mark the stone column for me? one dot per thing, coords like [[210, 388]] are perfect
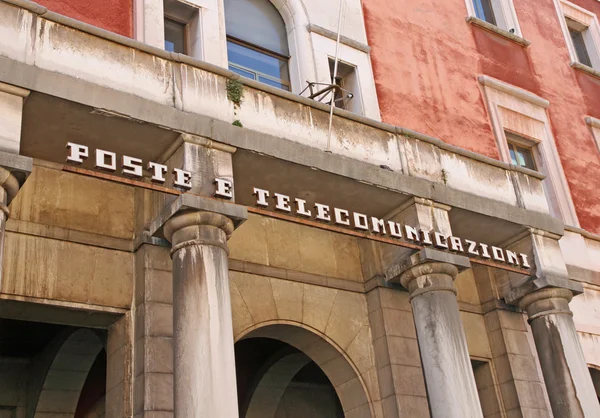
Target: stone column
[[204, 361], [9, 186], [568, 381], [451, 387], [429, 277], [11, 115]]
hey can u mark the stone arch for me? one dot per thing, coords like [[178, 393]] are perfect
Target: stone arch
[[343, 375], [595, 374], [339, 317], [67, 373], [269, 390]]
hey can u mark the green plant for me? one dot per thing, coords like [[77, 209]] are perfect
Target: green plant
[[235, 92], [444, 176]]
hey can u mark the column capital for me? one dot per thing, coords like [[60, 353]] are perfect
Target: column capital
[[429, 277], [400, 272], [14, 170], [198, 228], [182, 219], [430, 270], [538, 283], [550, 300]]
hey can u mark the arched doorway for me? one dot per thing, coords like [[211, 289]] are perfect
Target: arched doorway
[[75, 380], [287, 371], [595, 373]]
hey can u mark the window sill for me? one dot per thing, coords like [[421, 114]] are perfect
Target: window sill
[[586, 69], [495, 29]]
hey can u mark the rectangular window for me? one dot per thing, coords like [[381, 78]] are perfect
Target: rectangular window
[[521, 151], [578, 37], [500, 13], [175, 36], [182, 24], [582, 34], [347, 90], [258, 64], [486, 388], [484, 10], [524, 135]]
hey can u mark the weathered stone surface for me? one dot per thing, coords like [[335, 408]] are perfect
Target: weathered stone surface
[[466, 288], [318, 303], [476, 334], [249, 243], [67, 271], [77, 202], [297, 248], [348, 316], [257, 294], [288, 299], [241, 317]]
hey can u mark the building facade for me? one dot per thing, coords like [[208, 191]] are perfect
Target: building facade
[[189, 228]]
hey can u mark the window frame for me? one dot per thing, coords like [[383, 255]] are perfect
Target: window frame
[[354, 104], [586, 20], [594, 125], [189, 15], [516, 141], [264, 51], [352, 54], [504, 101], [509, 15], [186, 32]]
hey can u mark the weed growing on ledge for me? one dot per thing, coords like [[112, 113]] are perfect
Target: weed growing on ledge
[[444, 176], [235, 92]]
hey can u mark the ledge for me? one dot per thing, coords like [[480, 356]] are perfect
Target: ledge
[[498, 31], [343, 39], [14, 90], [585, 68], [513, 90], [583, 275], [583, 232], [592, 121], [184, 59]]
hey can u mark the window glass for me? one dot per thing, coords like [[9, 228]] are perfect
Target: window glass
[[258, 65], [257, 45], [257, 22], [580, 47], [484, 11], [174, 36], [521, 156]]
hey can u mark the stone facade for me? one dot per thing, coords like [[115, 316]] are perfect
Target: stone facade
[[120, 297]]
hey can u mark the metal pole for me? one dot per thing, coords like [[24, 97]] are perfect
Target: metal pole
[[335, 68]]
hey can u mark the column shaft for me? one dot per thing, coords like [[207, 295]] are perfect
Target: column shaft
[[9, 186], [449, 377], [568, 381], [204, 361]]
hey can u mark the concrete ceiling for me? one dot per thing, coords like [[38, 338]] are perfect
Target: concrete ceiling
[[254, 170], [49, 123]]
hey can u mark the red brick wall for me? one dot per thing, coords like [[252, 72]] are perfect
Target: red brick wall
[[426, 59], [112, 15]]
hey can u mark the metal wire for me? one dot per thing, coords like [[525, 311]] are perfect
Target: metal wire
[[335, 69]]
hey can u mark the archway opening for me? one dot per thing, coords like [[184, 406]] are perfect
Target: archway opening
[[277, 380], [92, 400], [595, 373]]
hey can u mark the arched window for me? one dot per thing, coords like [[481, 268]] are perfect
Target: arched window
[[257, 45]]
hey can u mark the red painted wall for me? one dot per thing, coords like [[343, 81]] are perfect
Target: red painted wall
[[112, 15], [426, 59]]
